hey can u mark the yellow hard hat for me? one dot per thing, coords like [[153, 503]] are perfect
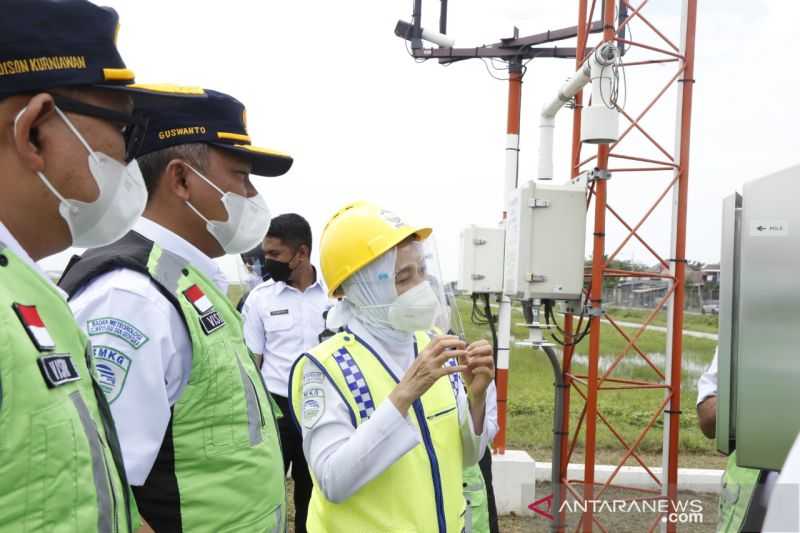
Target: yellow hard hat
[[356, 235]]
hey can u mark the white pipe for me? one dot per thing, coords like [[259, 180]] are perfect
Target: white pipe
[[504, 311], [547, 126], [603, 56], [504, 333], [512, 167], [602, 83], [439, 39]]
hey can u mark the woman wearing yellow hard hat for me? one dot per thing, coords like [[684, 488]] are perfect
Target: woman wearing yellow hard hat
[[386, 438]]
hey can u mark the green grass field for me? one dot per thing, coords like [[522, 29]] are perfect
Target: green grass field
[[531, 397], [691, 321]]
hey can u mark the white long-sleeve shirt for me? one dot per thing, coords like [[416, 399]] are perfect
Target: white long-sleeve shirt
[[142, 350], [343, 458], [708, 384], [280, 322], [492, 426]]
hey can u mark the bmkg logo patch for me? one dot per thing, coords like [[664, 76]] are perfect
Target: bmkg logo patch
[[112, 368]]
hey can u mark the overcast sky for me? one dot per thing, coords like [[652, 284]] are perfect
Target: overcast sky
[[329, 83]]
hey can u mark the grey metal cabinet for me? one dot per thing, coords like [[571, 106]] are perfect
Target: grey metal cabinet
[[758, 408]]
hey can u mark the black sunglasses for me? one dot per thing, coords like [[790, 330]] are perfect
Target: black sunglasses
[[132, 126]]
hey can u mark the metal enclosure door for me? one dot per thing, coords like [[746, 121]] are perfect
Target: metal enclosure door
[[728, 322], [767, 376]]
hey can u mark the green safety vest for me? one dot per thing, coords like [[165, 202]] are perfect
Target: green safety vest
[[422, 491], [477, 501], [220, 467], [738, 485], [60, 466]]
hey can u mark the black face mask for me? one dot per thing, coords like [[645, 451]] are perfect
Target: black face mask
[[277, 270]]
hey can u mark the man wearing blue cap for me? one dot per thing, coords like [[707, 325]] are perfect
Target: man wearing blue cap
[[195, 420], [63, 112]]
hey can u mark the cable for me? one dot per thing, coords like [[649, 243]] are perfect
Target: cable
[[410, 53], [489, 68], [555, 337], [613, 99], [490, 65], [492, 328], [408, 49], [549, 315], [484, 317], [486, 64], [624, 82], [477, 316], [611, 102]]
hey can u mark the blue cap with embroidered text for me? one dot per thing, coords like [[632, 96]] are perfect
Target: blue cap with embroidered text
[[46, 44], [217, 119]]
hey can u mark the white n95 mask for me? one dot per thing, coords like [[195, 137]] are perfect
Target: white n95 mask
[[415, 310], [247, 224], [121, 200]]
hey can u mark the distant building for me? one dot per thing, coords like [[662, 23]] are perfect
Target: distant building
[[636, 292], [711, 273], [702, 286], [710, 291]]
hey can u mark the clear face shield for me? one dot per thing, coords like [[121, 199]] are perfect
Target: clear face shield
[[448, 320], [251, 268], [403, 289]]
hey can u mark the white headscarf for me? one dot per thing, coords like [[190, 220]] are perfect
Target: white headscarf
[[367, 296]]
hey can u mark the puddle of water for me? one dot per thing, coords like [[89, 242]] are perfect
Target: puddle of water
[[631, 363]]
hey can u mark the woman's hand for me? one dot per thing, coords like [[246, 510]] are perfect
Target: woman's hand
[[479, 373], [427, 368]]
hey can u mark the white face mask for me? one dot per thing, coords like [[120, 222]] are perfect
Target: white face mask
[[122, 198], [247, 224], [415, 310]]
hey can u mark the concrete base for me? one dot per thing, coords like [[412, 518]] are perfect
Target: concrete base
[[514, 476], [692, 479], [515, 473]]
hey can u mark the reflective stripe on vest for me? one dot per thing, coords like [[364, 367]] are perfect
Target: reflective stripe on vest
[[57, 470], [475, 497], [227, 455], [422, 491], [477, 501], [221, 433]]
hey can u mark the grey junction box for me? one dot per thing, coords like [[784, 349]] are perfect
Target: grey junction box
[[481, 266], [545, 241]]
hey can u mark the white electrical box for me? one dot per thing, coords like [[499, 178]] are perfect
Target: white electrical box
[[545, 241], [481, 266]]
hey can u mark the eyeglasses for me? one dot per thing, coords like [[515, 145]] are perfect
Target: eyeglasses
[[132, 126]]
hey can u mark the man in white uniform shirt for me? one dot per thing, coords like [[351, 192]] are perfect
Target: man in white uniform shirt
[[198, 437], [283, 317]]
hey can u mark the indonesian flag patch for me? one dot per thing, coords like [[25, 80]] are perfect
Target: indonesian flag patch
[[198, 299], [34, 325], [210, 319]]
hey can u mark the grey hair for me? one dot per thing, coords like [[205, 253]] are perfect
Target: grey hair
[[155, 163]]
